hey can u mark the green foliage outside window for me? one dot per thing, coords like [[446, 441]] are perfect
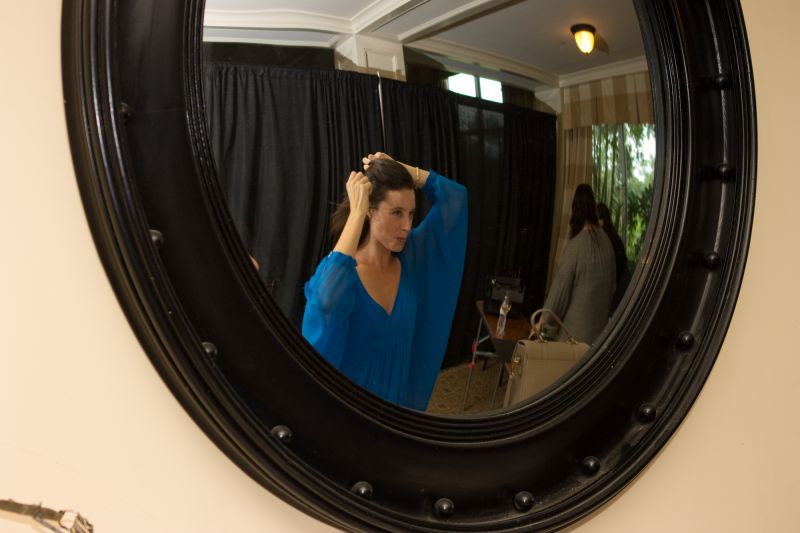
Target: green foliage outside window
[[622, 178]]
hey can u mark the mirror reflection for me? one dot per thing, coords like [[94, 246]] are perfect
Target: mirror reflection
[[448, 201]]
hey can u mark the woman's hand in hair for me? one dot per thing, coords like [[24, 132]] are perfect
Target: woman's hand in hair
[[358, 190], [417, 174], [371, 157]]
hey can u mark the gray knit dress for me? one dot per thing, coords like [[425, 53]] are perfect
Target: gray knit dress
[[583, 286]]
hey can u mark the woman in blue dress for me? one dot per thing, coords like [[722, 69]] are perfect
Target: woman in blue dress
[[381, 304]]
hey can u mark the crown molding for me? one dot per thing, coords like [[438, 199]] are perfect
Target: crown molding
[[494, 74], [373, 16], [382, 12], [618, 68], [330, 43], [276, 19], [449, 18], [475, 56]]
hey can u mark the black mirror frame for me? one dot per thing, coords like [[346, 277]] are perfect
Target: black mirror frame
[[136, 126]]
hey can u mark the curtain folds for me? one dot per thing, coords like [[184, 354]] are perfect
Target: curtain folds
[[614, 100], [284, 141]]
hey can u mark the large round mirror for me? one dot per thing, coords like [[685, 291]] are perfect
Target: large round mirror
[[179, 242], [499, 99]]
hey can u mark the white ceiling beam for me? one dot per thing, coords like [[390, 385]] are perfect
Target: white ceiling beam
[[451, 18], [610, 70], [474, 56], [372, 17], [330, 43], [482, 72], [382, 12], [276, 19]]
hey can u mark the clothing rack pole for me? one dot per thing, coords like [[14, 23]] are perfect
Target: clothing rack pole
[[380, 105]]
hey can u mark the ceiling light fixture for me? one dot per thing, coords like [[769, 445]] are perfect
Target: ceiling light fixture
[[584, 37]]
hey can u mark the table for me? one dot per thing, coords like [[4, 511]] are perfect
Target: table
[[517, 328]]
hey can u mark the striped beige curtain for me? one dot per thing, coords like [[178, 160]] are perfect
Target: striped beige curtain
[[575, 167], [611, 101]]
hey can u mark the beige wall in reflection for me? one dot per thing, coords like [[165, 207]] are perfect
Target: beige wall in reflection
[[87, 423]]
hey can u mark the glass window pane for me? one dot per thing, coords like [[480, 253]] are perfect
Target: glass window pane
[[462, 84], [623, 176], [491, 90]]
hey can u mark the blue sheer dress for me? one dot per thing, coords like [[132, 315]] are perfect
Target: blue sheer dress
[[397, 356]]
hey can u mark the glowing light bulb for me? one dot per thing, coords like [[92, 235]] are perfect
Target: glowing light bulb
[[584, 37]]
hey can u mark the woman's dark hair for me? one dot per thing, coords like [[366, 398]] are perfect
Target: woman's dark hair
[[583, 209], [384, 175], [605, 217], [620, 255]]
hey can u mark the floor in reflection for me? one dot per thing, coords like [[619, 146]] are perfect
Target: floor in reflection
[[448, 393]]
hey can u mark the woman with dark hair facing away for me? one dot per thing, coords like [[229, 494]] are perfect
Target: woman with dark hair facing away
[[381, 304], [584, 280], [620, 257]]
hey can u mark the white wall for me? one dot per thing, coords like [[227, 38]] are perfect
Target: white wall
[[87, 424]]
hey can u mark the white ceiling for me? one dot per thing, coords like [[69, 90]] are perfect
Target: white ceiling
[[530, 38]]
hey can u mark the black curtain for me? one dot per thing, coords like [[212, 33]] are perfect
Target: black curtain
[[505, 155], [517, 96], [481, 152], [312, 57], [509, 159], [530, 180], [284, 141], [421, 69], [421, 125]]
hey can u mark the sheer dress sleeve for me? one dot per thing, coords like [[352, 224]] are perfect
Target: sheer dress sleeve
[[441, 237], [435, 252], [330, 297]]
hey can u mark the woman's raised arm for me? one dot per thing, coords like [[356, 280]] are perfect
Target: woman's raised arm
[[358, 190]]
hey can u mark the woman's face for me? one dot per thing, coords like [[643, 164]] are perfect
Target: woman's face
[[390, 222]]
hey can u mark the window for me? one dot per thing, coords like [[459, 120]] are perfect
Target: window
[[623, 157], [470, 85], [491, 90], [462, 84]]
